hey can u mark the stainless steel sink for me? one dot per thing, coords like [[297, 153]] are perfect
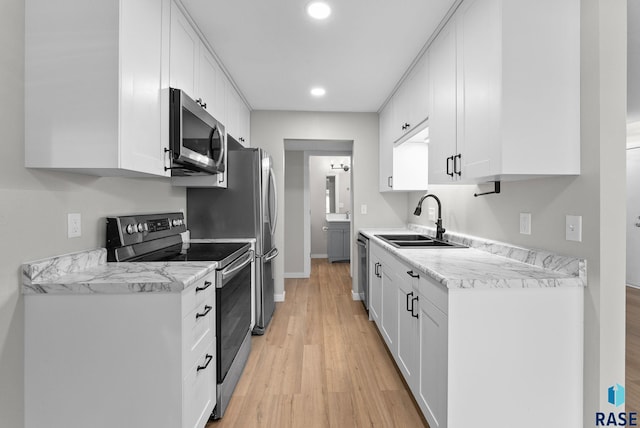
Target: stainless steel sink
[[417, 241]]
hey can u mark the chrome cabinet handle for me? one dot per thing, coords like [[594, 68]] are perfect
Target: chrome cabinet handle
[[390, 181]]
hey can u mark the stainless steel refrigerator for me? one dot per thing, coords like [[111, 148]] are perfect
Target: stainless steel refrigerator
[[247, 208]]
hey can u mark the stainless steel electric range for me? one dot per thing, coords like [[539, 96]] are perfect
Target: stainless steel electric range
[[160, 238]]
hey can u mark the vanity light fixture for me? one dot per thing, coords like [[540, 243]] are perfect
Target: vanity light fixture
[[342, 166], [318, 92], [318, 10]]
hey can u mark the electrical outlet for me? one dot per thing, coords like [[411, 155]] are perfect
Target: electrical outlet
[[363, 209], [573, 230], [74, 225], [432, 214], [525, 223]]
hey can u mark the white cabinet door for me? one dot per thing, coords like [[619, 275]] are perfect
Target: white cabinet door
[[389, 308], [142, 140], [375, 287], [385, 172], [419, 94], [408, 339], [207, 81], [232, 112], [185, 53], [433, 387], [478, 49], [443, 111], [245, 125]]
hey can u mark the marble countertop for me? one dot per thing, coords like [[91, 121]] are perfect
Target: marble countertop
[[88, 272], [486, 264]]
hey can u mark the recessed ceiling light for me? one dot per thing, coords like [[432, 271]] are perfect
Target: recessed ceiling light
[[318, 92], [318, 10]]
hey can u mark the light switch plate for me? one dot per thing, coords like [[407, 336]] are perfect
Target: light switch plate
[[525, 223], [574, 228], [74, 225], [363, 209], [432, 214]]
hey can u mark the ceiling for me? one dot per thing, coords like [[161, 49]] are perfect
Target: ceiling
[[276, 53]]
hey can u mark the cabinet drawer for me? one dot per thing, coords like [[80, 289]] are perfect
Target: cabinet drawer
[[199, 390], [197, 333], [198, 293]]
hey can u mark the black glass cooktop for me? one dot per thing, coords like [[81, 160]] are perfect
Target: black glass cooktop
[[195, 252]]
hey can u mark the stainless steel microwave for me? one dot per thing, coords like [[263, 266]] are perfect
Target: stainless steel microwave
[[197, 140]]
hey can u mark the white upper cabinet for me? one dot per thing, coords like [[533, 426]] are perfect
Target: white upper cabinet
[[238, 117], [443, 112], [506, 95], [403, 117], [185, 54], [95, 86]]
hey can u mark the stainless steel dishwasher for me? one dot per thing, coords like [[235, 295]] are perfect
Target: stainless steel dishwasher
[[363, 269]]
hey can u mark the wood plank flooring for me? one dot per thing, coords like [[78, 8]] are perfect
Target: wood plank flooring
[[321, 363], [632, 380]]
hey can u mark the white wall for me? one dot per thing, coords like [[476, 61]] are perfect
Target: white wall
[[294, 202], [598, 195], [269, 129], [34, 206]]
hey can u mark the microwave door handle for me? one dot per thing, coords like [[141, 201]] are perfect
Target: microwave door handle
[[272, 185]]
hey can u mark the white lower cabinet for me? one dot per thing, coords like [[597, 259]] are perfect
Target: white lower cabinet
[[142, 359], [469, 354]]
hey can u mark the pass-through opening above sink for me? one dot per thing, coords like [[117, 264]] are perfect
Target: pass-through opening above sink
[[417, 241]]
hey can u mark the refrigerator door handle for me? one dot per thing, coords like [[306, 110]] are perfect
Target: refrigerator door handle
[[272, 184], [271, 255]]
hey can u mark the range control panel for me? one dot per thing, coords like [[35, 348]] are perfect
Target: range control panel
[[133, 229]]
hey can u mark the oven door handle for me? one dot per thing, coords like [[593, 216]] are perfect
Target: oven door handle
[[234, 267], [271, 255]]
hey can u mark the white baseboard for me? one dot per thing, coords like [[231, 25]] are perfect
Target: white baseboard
[[355, 295], [296, 275], [633, 286], [319, 256], [279, 297]]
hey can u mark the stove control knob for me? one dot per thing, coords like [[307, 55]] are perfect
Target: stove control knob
[[140, 228], [131, 229], [175, 222]]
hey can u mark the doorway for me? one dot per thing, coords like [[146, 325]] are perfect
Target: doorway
[[299, 201], [633, 216]]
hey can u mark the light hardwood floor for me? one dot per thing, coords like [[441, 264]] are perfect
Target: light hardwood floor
[[321, 363], [632, 380]]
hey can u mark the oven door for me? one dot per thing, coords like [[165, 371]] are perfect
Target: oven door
[[197, 139], [233, 310]]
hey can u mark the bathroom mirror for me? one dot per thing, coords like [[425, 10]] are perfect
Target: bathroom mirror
[[331, 195]]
